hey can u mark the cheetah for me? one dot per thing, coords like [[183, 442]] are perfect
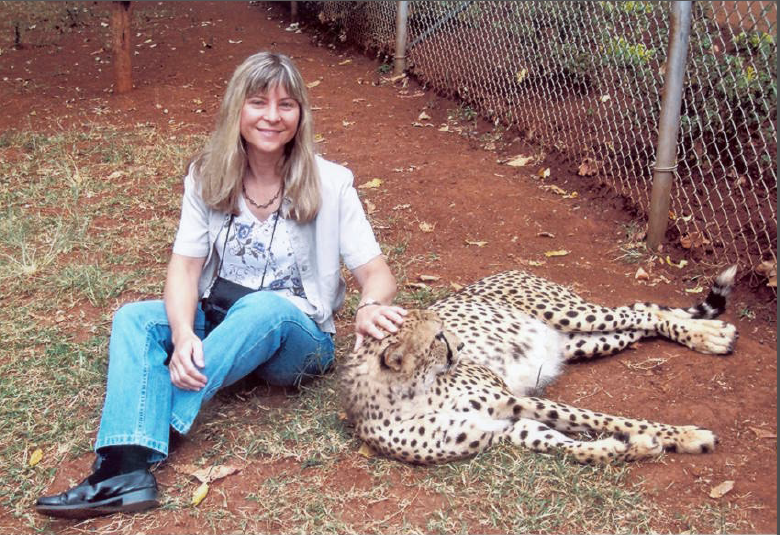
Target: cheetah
[[462, 375]]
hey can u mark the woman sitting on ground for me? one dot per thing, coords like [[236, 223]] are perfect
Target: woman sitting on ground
[[260, 211]]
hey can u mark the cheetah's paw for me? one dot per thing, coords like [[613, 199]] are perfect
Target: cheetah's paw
[[714, 337], [692, 439]]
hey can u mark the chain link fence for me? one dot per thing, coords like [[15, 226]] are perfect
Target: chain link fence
[[585, 79]]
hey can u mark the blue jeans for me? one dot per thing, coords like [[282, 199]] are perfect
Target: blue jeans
[[262, 332]]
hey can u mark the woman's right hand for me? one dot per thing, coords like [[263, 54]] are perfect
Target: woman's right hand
[[181, 301], [187, 357]]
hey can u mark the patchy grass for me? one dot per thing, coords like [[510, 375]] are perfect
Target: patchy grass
[[82, 231]]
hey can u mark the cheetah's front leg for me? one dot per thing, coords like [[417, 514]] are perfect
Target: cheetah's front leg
[[566, 418], [539, 437]]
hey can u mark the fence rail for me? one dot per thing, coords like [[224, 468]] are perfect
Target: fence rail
[[585, 79]]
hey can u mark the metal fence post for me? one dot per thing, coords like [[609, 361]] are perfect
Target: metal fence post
[[669, 124], [399, 57]]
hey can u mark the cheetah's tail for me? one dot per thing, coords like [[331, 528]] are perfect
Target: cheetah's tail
[[715, 303]]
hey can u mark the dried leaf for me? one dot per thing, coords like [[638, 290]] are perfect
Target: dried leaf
[[207, 474], [394, 79], [319, 138], [347, 124], [423, 117], [427, 227], [521, 161], [36, 457], [366, 451], [589, 167], [477, 243], [721, 490], [693, 240], [535, 263], [696, 290], [444, 128], [521, 75], [199, 494], [429, 278], [767, 267], [543, 235], [402, 206], [544, 173], [681, 264], [345, 62], [556, 189], [419, 285], [641, 275], [232, 42], [763, 433], [455, 286], [371, 184], [769, 270], [370, 207], [561, 252], [313, 84]]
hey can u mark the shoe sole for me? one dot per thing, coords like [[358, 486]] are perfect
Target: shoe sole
[[132, 502]]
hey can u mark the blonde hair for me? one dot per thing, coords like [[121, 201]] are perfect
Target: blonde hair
[[220, 166]]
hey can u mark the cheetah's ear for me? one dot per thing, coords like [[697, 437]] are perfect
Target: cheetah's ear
[[393, 357]]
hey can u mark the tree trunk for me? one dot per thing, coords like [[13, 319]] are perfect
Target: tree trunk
[[120, 30]]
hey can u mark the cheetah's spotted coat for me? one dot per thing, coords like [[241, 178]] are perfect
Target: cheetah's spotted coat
[[457, 377]]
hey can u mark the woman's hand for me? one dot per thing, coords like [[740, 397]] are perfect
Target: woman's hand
[[187, 357], [373, 318], [181, 300], [376, 320]]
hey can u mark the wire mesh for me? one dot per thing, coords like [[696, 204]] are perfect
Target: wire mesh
[[585, 78]]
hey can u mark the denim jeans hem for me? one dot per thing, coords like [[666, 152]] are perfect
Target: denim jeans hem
[[160, 449]]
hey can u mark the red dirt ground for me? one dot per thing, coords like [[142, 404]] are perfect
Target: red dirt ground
[[458, 187]]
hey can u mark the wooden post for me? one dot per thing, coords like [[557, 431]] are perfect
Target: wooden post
[[293, 11], [120, 30]]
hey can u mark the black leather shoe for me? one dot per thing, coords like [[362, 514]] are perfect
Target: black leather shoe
[[130, 492]]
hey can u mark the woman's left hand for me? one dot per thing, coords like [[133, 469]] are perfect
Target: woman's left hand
[[376, 320]]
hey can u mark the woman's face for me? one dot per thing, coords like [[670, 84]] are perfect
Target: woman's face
[[269, 121]]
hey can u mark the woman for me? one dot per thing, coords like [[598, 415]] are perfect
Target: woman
[[260, 210]]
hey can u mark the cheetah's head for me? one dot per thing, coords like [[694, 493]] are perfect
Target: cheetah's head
[[421, 349], [403, 364]]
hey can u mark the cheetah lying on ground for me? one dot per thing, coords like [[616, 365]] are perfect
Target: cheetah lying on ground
[[457, 377]]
